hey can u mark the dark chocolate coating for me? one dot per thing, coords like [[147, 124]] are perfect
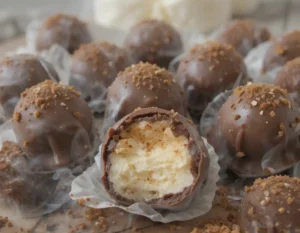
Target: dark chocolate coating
[[18, 183], [53, 125], [243, 35], [64, 30], [19, 72], [257, 125], [180, 126], [153, 41], [143, 85], [282, 50], [207, 70], [96, 64], [289, 78], [271, 205]]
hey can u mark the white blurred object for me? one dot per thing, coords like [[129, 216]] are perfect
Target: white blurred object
[[189, 15], [193, 15], [122, 13], [244, 7]]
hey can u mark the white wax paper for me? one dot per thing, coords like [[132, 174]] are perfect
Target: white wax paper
[[88, 185], [254, 64], [62, 177]]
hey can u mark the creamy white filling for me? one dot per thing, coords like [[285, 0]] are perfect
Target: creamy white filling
[[150, 162]]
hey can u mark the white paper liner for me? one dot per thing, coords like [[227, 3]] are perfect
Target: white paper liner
[[254, 64], [88, 185], [208, 124], [296, 170], [60, 178]]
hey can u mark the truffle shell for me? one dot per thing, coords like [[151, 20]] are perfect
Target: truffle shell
[[271, 205], [180, 126], [282, 50], [258, 128], [153, 41], [64, 30], [53, 125]]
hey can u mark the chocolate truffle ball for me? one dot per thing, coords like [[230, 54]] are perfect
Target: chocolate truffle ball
[[143, 85], [64, 30], [96, 65], [243, 35], [289, 78], [258, 127], [53, 125], [154, 156], [282, 50], [154, 41], [271, 205], [19, 72], [207, 70], [18, 183]]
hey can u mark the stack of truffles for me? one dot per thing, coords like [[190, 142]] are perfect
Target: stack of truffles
[[152, 150]]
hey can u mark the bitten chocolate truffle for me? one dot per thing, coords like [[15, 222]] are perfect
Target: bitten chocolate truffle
[[53, 125], [18, 183], [143, 85], [153, 41], [282, 50], [271, 205], [258, 127], [207, 70], [96, 65], [64, 30], [243, 35], [19, 72], [154, 156], [289, 78]]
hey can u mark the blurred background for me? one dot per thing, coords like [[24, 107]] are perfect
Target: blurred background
[[189, 15]]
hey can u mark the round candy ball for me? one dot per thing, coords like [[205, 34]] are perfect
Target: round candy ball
[[143, 85], [282, 50], [19, 72], [257, 125], [64, 30], [243, 35], [53, 125], [95, 66], [153, 41], [289, 78], [271, 205], [207, 70]]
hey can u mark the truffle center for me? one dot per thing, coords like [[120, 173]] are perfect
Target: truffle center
[[149, 162]]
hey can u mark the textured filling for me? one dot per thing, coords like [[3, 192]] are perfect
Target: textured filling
[[149, 162]]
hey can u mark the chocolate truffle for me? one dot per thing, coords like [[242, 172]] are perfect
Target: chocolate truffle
[[289, 78], [53, 125], [19, 72], [243, 35], [258, 127], [64, 30], [207, 70], [143, 85], [153, 41], [96, 65], [281, 50], [271, 205], [17, 182], [153, 156]]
